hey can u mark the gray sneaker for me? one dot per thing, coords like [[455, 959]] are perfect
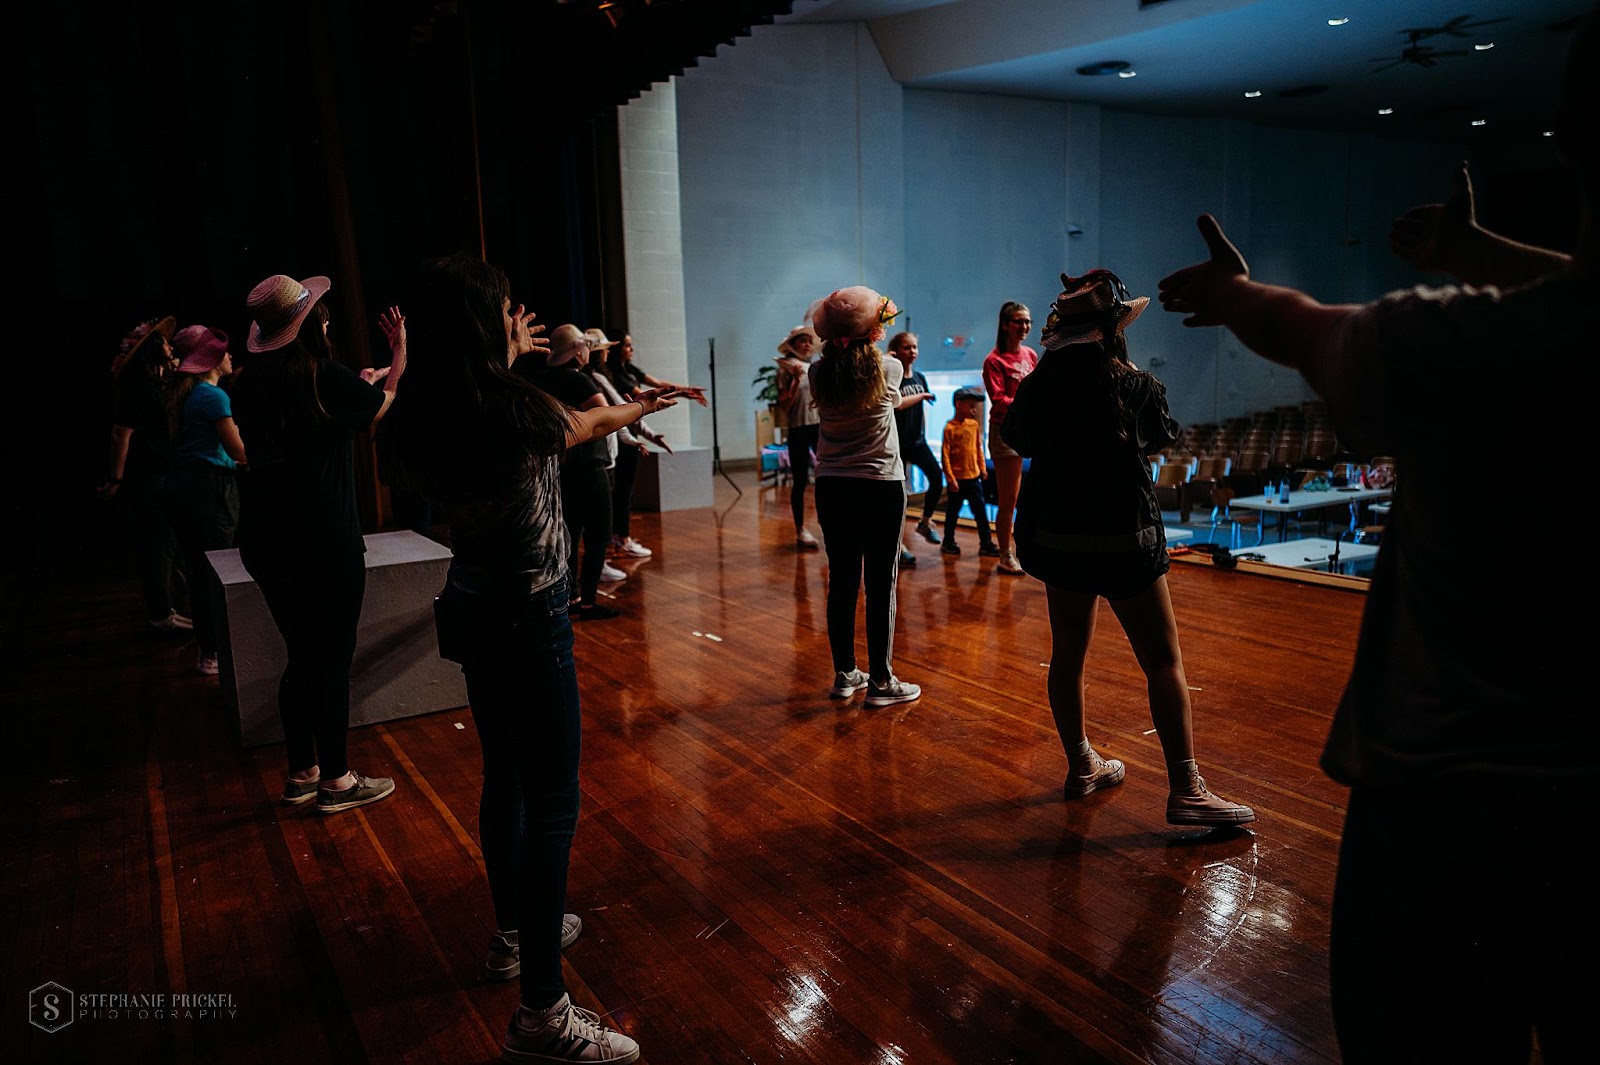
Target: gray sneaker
[[847, 684], [296, 792], [504, 961], [367, 789], [895, 691], [564, 1033]]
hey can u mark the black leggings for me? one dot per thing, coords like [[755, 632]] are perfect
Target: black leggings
[[586, 507], [861, 530], [625, 473], [801, 439], [203, 500], [316, 605], [917, 453]]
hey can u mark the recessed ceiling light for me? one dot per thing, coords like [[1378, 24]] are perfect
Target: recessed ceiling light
[[1483, 47], [1548, 133], [1385, 110], [1252, 94], [1127, 73], [1480, 122], [1101, 69], [1337, 21]]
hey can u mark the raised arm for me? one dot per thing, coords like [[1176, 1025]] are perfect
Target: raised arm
[[1281, 324], [1447, 238], [393, 324]]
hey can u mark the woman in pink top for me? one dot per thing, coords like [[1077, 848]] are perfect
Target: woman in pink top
[[1003, 370]]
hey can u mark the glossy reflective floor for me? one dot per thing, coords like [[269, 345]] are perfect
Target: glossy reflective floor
[[764, 874]]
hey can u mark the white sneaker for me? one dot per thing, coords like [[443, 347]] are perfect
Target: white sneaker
[[895, 691], [608, 572], [632, 547], [564, 1033], [505, 949], [207, 664], [173, 622], [847, 684]]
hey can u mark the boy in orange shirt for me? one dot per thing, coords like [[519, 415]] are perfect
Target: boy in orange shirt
[[963, 472]]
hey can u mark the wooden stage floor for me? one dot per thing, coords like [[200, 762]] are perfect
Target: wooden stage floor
[[764, 874]]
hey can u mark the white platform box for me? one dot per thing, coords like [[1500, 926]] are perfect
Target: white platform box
[[679, 481], [397, 670]]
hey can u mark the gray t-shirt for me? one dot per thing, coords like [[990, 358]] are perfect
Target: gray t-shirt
[[862, 443]]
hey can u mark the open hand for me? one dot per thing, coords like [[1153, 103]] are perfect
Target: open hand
[[1431, 236], [654, 399], [1200, 290], [525, 336], [393, 324], [694, 392]]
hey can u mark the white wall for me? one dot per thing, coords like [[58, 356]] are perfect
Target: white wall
[[804, 168], [790, 163]]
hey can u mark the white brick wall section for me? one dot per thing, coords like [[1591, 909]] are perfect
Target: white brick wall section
[[652, 246]]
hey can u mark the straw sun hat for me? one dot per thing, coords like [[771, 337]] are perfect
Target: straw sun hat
[[1086, 306], [199, 348], [279, 306]]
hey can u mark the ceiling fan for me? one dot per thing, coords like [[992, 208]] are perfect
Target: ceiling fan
[[1426, 55]]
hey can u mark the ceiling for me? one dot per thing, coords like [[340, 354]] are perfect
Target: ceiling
[[1200, 57]]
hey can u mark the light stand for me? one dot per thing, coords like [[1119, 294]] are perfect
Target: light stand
[[716, 445]]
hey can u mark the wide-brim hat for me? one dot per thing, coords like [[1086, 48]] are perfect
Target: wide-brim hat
[[279, 306], [1088, 306], [597, 339], [854, 313], [199, 348], [567, 342], [786, 349], [135, 338]]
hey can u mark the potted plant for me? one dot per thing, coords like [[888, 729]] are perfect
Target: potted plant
[[766, 379]]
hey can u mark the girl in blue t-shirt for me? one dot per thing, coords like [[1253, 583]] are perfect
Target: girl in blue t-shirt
[[202, 492]]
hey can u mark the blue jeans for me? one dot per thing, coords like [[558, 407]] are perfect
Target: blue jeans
[[515, 651]]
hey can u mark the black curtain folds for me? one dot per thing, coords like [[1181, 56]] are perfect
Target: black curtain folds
[[175, 152]]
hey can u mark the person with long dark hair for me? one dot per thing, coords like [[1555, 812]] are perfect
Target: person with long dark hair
[[1089, 527], [1003, 371], [299, 409], [861, 496], [141, 458], [485, 445], [202, 492], [796, 353]]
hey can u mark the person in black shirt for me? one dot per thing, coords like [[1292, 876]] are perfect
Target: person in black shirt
[[484, 445], [910, 422], [585, 478], [298, 409], [141, 458]]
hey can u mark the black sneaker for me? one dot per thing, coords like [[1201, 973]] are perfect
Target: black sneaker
[[594, 612], [989, 551], [926, 532], [950, 548]]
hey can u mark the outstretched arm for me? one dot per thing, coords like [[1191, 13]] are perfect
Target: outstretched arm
[[592, 423], [1281, 324], [1446, 237]]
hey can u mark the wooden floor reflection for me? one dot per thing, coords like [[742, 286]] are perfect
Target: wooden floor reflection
[[764, 874]]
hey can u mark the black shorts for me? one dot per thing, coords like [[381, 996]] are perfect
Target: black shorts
[[1113, 574]]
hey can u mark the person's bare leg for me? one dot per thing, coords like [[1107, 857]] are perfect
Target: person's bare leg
[[1152, 631], [1008, 477], [1072, 619]]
